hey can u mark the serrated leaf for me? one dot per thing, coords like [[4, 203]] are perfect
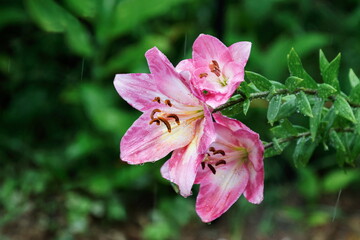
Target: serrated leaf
[[315, 120], [293, 82], [354, 80], [246, 105], [261, 82], [303, 151], [273, 109], [342, 108], [303, 104], [324, 63], [355, 94], [325, 90], [296, 69], [330, 74]]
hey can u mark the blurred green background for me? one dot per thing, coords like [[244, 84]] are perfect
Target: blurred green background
[[61, 119]]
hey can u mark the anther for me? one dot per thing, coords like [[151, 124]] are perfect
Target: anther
[[212, 149], [177, 120], [201, 75], [220, 162], [219, 151], [167, 102], [157, 121], [157, 99], [202, 165], [211, 167], [167, 124], [215, 68], [153, 113]]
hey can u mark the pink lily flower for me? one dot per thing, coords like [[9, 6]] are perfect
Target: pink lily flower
[[233, 166], [173, 118], [218, 70]]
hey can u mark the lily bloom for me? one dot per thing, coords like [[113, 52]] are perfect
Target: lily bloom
[[232, 166], [173, 118], [218, 70]]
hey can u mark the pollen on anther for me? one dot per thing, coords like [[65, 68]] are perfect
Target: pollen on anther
[[167, 102], [201, 75], [212, 149], [215, 68], [177, 120], [211, 167], [222, 161], [153, 113], [157, 121], [220, 152], [202, 165], [157, 99], [167, 124]]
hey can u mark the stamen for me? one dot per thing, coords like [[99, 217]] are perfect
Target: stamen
[[167, 124], [177, 120], [153, 113], [201, 75], [167, 102], [219, 151], [157, 99], [212, 149], [202, 165], [157, 121], [212, 168], [215, 68], [222, 161]]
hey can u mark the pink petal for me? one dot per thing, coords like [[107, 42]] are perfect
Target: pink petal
[[240, 52], [206, 132], [231, 123], [182, 167], [138, 89], [254, 191], [147, 143], [207, 48], [218, 192], [254, 147], [167, 80], [185, 65]]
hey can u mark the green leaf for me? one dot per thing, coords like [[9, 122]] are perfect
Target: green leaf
[[285, 129], [340, 179], [246, 105], [315, 120], [273, 151], [357, 125], [303, 104], [355, 94], [273, 109], [324, 63], [126, 15], [261, 82], [296, 69], [354, 80], [325, 90], [303, 151], [330, 74], [342, 108], [83, 8], [49, 15], [336, 141], [53, 18], [293, 82], [287, 108]]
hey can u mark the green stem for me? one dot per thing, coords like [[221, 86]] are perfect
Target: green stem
[[262, 95], [304, 134]]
